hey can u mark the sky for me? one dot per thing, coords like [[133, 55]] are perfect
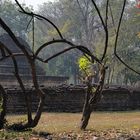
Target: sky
[[34, 3]]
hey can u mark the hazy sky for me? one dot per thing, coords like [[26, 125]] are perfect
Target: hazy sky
[[34, 3]]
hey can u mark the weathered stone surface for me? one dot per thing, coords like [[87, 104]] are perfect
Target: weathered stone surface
[[72, 100], [7, 77]]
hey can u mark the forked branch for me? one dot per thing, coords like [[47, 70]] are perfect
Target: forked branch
[[104, 24], [116, 40], [38, 17]]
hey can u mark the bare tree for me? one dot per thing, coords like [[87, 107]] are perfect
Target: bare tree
[[32, 57], [4, 51], [92, 98]]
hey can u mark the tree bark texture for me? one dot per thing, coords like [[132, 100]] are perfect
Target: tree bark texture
[[92, 98], [87, 108]]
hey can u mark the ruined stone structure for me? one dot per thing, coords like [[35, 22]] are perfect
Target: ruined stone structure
[[7, 78], [72, 100], [6, 66], [65, 99]]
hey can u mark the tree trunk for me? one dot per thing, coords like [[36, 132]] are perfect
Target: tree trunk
[[86, 109], [86, 116], [40, 108], [92, 98], [29, 108], [109, 74], [3, 107], [32, 122]]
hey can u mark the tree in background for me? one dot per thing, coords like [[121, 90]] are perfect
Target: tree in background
[[93, 95], [79, 22], [84, 27], [32, 56], [128, 45], [9, 12]]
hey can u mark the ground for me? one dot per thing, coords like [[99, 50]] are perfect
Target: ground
[[64, 126]]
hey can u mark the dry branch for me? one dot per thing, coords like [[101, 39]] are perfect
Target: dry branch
[[116, 40], [38, 17]]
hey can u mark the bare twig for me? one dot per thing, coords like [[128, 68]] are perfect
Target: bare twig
[[106, 18], [13, 54], [104, 24], [80, 9], [11, 34], [59, 53], [116, 41], [39, 17], [81, 48], [106, 32], [99, 14], [112, 18], [33, 30], [15, 64], [29, 23]]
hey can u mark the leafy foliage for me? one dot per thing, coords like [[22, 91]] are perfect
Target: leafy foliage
[[79, 23], [16, 21], [85, 65]]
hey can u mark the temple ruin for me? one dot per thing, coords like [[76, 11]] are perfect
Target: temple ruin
[[7, 78], [63, 99]]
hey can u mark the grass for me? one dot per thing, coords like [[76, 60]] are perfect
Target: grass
[[69, 122], [59, 122]]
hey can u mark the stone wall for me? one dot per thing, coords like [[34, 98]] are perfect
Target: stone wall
[[9, 80], [72, 100], [119, 100]]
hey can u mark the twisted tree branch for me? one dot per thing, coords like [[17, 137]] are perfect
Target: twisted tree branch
[[38, 17], [116, 41]]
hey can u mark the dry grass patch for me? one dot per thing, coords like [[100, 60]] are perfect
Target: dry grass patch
[[60, 122]]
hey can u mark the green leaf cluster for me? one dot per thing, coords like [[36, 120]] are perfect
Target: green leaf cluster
[[85, 66]]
